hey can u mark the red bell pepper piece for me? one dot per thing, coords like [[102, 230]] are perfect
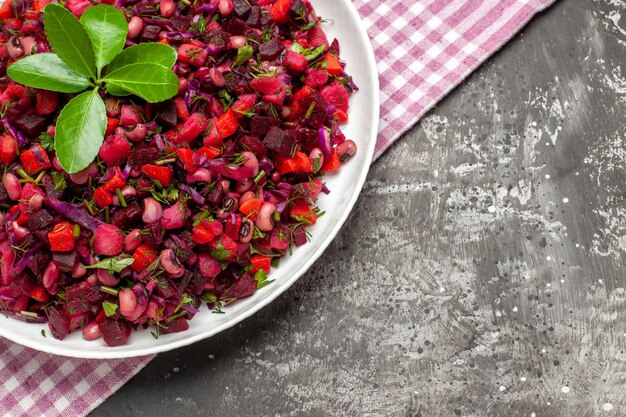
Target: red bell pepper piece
[[191, 128], [162, 174], [102, 197], [280, 11], [227, 124], [251, 208], [301, 211], [260, 262], [8, 149], [332, 163], [143, 256], [35, 159], [61, 237]]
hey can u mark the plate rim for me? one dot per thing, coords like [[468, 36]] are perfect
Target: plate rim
[[360, 181]]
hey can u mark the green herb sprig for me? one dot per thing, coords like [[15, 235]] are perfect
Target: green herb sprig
[[83, 48]]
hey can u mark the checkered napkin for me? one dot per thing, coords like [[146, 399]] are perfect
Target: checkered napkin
[[424, 48]]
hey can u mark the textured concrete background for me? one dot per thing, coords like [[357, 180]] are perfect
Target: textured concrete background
[[482, 272]]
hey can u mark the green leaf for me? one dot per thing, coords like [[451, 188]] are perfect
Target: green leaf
[[243, 54], [310, 54], [220, 253], [69, 39], [261, 279], [152, 82], [48, 72], [110, 308], [116, 91], [144, 53], [107, 28], [80, 131], [59, 181], [46, 141], [116, 264]]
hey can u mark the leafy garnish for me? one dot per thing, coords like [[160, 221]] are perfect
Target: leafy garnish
[[82, 49], [243, 54], [115, 264], [261, 279], [110, 308]]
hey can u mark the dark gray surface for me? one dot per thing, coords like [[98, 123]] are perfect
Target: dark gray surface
[[481, 273]]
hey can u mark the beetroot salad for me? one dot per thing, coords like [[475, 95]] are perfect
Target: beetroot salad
[[120, 209]]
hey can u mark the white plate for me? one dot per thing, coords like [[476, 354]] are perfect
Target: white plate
[[344, 24]]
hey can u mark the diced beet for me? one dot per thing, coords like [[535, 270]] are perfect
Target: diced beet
[[260, 125], [40, 219], [235, 26], [65, 261], [150, 33], [139, 157], [235, 83], [307, 139], [39, 262], [25, 282], [177, 325], [217, 39], [254, 17], [77, 305], [165, 288], [167, 115], [266, 18], [83, 290], [182, 244], [255, 37], [196, 284], [215, 194], [127, 217], [271, 49], [30, 124], [243, 287], [312, 110], [51, 191], [180, 23], [241, 8], [115, 332], [299, 236], [254, 145], [58, 322], [279, 141]]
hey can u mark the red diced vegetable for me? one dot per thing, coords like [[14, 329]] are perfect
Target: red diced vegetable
[[227, 124], [301, 212], [108, 240], [260, 262], [280, 11], [35, 159], [162, 174], [102, 197], [61, 237], [143, 256], [8, 149], [251, 208]]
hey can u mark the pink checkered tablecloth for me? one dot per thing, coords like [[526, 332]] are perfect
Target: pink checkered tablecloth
[[424, 48]]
